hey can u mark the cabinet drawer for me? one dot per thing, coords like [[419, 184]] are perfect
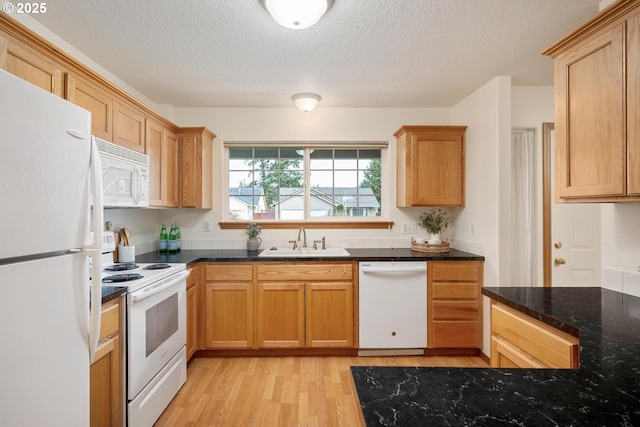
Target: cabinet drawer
[[456, 334], [229, 272], [467, 310], [552, 347], [454, 271], [455, 291], [313, 272], [109, 320]]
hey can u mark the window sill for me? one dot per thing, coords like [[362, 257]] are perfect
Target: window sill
[[241, 225]]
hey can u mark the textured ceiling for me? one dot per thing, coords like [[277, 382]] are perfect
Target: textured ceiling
[[362, 53]]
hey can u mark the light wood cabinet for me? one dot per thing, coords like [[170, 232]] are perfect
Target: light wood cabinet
[[520, 341], [329, 314], [162, 148], [23, 61], [106, 388], [229, 305], [280, 315], [454, 304], [97, 101], [305, 305], [597, 99], [193, 285], [430, 168], [128, 126], [196, 165]]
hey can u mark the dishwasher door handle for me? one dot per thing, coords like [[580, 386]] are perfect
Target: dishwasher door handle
[[392, 270]]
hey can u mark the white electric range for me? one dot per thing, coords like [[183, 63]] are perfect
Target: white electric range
[[156, 329]]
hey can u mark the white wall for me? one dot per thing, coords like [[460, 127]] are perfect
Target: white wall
[[620, 225], [290, 124]]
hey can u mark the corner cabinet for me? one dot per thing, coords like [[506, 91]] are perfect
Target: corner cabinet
[[454, 304], [520, 341], [430, 166], [106, 388], [597, 105]]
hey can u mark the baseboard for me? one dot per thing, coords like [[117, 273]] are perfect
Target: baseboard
[[392, 352]]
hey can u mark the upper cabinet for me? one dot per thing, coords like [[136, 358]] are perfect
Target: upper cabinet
[[97, 101], [162, 148], [597, 106], [128, 126], [430, 166], [196, 146], [23, 61]]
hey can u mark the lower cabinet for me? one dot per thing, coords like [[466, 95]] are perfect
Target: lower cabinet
[[106, 388], [193, 281], [520, 341], [279, 305], [454, 309], [228, 305]]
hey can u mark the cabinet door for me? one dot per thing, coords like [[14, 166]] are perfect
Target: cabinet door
[[154, 143], [192, 320], [197, 169], [170, 166], [437, 164], [105, 389], [280, 321], [591, 117], [24, 62], [633, 105], [229, 315], [94, 100], [329, 314], [128, 127]]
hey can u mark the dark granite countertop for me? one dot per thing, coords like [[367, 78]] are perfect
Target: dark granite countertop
[[222, 255], [112, 292], [604, 391]]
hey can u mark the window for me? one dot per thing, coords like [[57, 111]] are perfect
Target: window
[[304, 182]]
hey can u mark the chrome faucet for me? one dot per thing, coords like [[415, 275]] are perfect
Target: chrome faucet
[[304, 242]]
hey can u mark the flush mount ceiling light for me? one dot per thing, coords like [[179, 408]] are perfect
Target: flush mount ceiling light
[[306, 101], [296, 14]]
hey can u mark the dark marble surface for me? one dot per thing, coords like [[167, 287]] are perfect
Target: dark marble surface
[[222, 255], [604, 391]]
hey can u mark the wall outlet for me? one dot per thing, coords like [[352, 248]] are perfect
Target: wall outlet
[[409, 228], [206, 226]]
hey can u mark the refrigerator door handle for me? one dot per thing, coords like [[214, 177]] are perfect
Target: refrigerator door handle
[[94, 250]]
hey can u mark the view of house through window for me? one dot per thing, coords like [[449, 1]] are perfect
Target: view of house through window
[[298, 183]]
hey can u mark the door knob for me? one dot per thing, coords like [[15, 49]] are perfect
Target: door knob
[[557, 245], [559, 261]]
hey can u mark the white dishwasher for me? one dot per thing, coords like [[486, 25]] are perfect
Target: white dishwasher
[[392, 305]]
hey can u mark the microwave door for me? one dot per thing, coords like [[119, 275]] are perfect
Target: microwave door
[[118, 183]]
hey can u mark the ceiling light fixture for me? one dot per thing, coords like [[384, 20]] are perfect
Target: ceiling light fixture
[[306, 101], [296, 14]]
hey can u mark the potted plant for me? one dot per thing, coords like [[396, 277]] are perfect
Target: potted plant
[[253, 230], [435, 222]]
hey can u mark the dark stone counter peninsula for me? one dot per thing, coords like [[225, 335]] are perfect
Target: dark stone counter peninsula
[[604, 391]]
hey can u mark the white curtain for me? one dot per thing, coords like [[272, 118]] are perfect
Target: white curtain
[[523, 208]]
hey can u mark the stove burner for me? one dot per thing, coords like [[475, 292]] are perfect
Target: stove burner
[[117, 278], [121, 267], [157, 267]]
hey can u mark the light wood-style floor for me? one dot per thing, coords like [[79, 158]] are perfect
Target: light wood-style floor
[[280, 391]]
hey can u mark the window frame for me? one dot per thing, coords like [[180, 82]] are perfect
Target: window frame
[[381, 221]]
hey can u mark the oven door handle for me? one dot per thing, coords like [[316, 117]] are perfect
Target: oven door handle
[[154, 289]]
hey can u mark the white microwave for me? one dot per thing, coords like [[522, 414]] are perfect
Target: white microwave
[[125, 176]]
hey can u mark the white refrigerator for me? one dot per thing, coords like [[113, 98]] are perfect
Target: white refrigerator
[[48, 168]]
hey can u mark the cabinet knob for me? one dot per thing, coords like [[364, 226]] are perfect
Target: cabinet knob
[[559, 261], [393, 334], [557, 245]]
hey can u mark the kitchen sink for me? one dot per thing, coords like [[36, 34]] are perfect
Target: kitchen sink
[[304, 253]]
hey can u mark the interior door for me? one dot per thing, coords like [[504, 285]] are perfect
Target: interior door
[[574, 245]]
